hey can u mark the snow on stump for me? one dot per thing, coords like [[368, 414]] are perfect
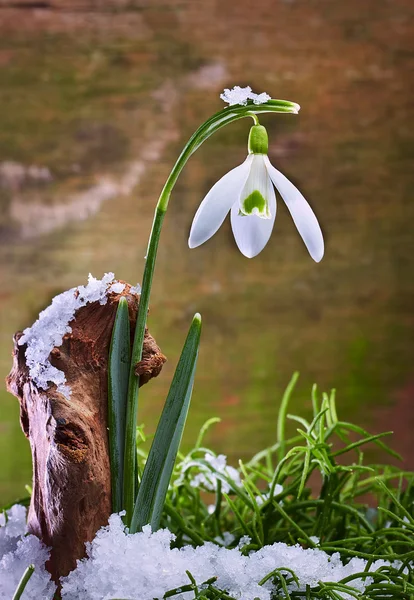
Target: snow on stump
[[59, 375]]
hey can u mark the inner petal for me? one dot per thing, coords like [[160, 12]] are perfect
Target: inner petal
[[254, 198]]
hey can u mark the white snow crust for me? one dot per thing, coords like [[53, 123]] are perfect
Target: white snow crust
[[12, 527], [143, 566], [54, 322], [17, 552], [117, 288], [239, 95]]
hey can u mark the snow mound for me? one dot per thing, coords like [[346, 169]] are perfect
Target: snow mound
[[144, 566], [12, 527], [17, 553]]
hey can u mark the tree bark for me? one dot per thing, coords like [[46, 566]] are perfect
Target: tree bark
[[71, 496]]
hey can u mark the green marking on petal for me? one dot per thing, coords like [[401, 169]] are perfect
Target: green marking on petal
[[255, 204]]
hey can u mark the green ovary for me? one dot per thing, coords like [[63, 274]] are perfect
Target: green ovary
[[255, 204]]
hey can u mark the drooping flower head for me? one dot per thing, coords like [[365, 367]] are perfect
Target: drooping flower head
[[248, 193]]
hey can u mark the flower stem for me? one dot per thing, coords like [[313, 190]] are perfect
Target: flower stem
[[133, 386], [213, 124], [254, 117]]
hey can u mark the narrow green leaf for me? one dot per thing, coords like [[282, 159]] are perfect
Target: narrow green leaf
[[305, 472], [157, 472], [344, 425], [406, 513], [204, 429], [371, 438], [315, 406], [281, 421], [23, 582], [118, 373]]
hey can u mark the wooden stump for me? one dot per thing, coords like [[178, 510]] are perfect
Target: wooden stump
[[71, 496]]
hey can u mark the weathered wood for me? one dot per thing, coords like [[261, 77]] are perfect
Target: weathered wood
[[71, 496]]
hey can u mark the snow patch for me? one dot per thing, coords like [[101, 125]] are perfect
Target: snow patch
[[17, 553], [143, 565], [12, 527], [239, 95], [135, 289], [53, 323], [117, 288], [219, 470]]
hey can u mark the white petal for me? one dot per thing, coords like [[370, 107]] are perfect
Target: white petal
[[251, 232], [215, 206], [302, 214]]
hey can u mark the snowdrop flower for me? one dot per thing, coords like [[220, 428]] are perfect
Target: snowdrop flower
[[248, 193]]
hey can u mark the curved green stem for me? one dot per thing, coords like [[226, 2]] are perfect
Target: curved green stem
[[213, 124], [254, 117]]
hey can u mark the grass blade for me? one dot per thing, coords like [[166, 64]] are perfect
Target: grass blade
[[161, 458], [281, 421], [118, 373], [23, 582]]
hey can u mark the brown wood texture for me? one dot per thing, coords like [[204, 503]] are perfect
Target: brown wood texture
[[71, 496]]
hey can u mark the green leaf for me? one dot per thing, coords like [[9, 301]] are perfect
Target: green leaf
[[281, 420], [159, 466], [118, 374]]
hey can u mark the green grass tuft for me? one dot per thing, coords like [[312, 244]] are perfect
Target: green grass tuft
[[312, 489], [312, 486]]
